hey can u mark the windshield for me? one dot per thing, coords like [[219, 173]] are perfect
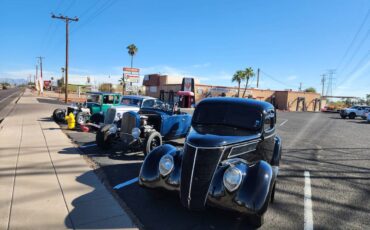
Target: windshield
[[131, 102], [93, 98], [233, 115]]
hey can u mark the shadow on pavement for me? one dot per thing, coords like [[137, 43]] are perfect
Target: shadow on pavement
[[153, 208], [50, 101], [96, 209]]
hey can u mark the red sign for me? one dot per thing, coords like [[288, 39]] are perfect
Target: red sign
[[131, 76], [128, 69]]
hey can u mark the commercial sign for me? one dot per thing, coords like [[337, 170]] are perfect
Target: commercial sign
[[131, 78], [132, 70], [132, 88]]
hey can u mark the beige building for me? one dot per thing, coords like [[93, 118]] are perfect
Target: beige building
[[167, 88]]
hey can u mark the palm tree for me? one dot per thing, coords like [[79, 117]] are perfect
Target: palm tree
[[123, 83], [238, 77], [132, 50], [248, 74]]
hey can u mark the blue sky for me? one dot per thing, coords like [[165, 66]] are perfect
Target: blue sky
[[290, 41]]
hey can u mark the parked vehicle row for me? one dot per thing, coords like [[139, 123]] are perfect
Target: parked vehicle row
[[354, 111], [143, 129], [230, 158]]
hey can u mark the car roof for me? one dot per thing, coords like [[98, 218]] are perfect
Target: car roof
[[101, 93], [139, 97], [259, 105]]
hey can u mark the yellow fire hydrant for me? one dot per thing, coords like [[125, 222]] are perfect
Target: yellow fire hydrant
[[71, 121]]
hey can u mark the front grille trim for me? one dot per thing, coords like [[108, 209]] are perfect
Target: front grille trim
[[193, 166]]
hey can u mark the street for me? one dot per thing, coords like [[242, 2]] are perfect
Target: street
[[6, 96], [323, 180]]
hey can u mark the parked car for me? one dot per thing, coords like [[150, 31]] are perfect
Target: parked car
[[97, 103], [353, 112], [230, 158], [128, 103], [368, 116], [145, 130], [365, 114]]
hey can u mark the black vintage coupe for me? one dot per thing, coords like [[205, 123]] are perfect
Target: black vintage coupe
[[230, 159]]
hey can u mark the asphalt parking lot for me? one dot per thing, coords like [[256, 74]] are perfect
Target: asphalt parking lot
[[322, 154]]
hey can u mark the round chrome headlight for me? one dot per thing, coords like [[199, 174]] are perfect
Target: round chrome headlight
[[232, 178], [135, 132], [166, 164]]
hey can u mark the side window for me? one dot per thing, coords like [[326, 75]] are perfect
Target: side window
[[158, 103], [108, 99], [148, 104]]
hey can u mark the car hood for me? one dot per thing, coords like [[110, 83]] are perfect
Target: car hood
[[126, 108], [201, 139]]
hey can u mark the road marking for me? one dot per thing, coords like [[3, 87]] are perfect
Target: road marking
[[283, 123], [8, 97], [87, 146], [124, 184], [308, 220]]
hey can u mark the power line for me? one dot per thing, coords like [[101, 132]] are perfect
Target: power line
[[362, 60], [47, 37], [94, 15], [354, 39], [273, 78], [357, 49]]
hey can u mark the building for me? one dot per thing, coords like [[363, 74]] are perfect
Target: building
[[170, 89]]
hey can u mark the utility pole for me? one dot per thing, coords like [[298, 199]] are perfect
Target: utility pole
[[66, 19], [41, 82], [37, 68], [329, 90], [323, 79], [258, 77], [300, 86]]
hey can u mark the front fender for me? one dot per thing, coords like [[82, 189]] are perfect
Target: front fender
[[149, 173], [252, 197]]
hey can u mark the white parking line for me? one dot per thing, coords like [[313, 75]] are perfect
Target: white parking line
[[8, 97], [87, 146], [283, 123], [124, 184], [308, 219]]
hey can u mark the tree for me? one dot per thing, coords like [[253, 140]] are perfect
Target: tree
[[248, 73], [123, 83], [368, 99], [238, 77], [310, 90], [132, 50]]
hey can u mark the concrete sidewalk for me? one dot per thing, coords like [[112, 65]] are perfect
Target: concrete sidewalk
[[44, 182]]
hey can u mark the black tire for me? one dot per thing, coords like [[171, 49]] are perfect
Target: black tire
[[58, 115], [153, 140], [352, 116], [102, 141], [272, 198], [81, 118], [343, 116], [256, 220], [97, 118]]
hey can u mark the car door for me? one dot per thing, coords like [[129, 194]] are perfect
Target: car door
[[176, 125]]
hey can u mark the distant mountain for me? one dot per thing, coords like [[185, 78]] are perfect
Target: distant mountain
[[13, 81]]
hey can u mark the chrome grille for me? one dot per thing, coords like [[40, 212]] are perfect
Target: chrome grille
[[197, 170], [110, 116], [128, 122]]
